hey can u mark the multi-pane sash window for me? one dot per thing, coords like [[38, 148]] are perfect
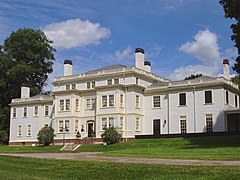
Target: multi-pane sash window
[[36, 111], [76, 126], [60, 126], [116, 81], [111, 122], [88, 85], [104, 101], [61, 105], [208, 97], [111, 100], [121, 100], [73, 86], [137, 101], [227, 98], [182, 99], [67, 87], [19, 130], [104, 123], [46, 110], [67, 105], [25, 112], [209, 123], [121, 123], [14, 115], [63, 126], [183, 124], [88, 103], [137, 124], [109, 82], [93, 84], [77, 105], [66, 125], [29, 130], [137, 81], [156, 101]]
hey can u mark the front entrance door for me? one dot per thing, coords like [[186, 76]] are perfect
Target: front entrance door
[[156, 127], [90, 129]]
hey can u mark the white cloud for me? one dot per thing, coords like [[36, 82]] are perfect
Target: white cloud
[[204, 47], [75, 33], [153, 51], [121, 55]]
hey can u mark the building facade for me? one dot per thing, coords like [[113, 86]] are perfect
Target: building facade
[[132, 99]]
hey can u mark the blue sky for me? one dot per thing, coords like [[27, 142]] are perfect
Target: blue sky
[[180, 37]]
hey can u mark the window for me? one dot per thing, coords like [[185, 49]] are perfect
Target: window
[[109, 82], [104, 123], [121, 100], [209, 123], [14, 115], [137, 101], [88, 103], [137, 124], [208, 97], [25, 112], [19, 130], [236, 101], [67, 87], [137, 81], [36, 111], [88, 85], [77, 105], [29, 130], [111, 100], [183, 124], [156, 101], [61, 105], [111, 122], [182, 99], [46, 110], [121, 123], [104, 101], [73, 86], [76, 126], [67, 105], [227, 98], [63, 126], [116, 81], [93, 84], [82, 128]]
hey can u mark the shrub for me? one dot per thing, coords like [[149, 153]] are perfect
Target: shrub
[[45, 136], [110, 135], [3, 137]]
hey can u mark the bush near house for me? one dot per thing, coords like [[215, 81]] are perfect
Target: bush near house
[[3, 137], [111, 135], [45, 136]]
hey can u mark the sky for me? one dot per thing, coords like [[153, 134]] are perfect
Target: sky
[[179, 37]]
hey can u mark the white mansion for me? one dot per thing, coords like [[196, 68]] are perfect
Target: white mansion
[[133, 99]]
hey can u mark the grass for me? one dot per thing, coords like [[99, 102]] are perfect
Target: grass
[[30, 168], [207, 148]]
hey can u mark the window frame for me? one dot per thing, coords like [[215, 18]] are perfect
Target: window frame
[[67, 105], [183, 124], [137, 101], [29, 130], [155, 102], [121, 100], [236, 100], [67, 86], [46, 110], [209, 125], [137, 124], [19, 132], [109, 82], [180, 99], [226, 97], [205, 97], [14, 113], [25, 113]]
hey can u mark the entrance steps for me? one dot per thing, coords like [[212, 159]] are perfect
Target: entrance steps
[[70, 147]]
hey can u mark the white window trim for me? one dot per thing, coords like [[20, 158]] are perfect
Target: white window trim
[[180, 123], [212, 97], [108, 101], [137, 104], [107, 121], [64, 126], [26, 112], [159, 102], [29, 135], [205, 120], [179, 99], [14, 114], [139, 124]]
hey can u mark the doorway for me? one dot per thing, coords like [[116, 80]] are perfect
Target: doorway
[[90, 129], [156, 127]]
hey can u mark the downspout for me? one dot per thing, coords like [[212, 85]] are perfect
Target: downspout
[[194, 109]]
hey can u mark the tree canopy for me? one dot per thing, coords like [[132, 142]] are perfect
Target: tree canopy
[[26, 56], [232, 11]]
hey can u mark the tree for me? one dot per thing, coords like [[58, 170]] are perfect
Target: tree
[[193, 76], [232, 11], [26, 56], [45, 136], [236, 80], [110, 135]]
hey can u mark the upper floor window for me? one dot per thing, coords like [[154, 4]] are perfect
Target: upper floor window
[[14, 114], [64, 104], [137, 80], [90, 103], [208, 97], [227, 98], [182, 99], [67, 87], [46, 110], [36, 111], [108, 101], [121, 100], [61, 105], [116, 81], [91, 85], [25, 112], [67, 104], [77, 105], [236, 101], [88, 85], [137, 103], [109, 82], [73, 86], [156, 101]]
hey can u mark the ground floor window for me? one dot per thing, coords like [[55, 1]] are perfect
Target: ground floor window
[[29, 130], [107, 122], [121, 124], [19, 130], [137, 124], [183, 124], [76, 126], [209, 123], [63, 126]]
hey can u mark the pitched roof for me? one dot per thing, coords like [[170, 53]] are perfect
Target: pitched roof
[[117, 66]]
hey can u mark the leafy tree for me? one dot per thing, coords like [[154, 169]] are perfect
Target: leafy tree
[[111, 135], [45, 136], [236, 80], [232, 11], [193, 76], [26, 56], [3, 137]]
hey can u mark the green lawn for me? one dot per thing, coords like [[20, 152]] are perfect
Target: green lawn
[[210, 148], [30, 168]]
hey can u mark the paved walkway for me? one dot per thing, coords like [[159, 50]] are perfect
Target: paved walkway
[[93, 156]]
